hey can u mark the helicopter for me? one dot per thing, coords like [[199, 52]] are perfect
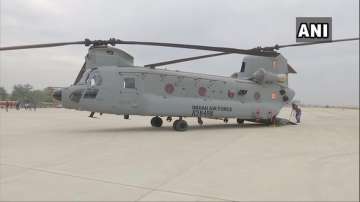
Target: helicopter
[[109, 82]]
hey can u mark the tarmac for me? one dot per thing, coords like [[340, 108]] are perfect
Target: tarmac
[[62, 155]]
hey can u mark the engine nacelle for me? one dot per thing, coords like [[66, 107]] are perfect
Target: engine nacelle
[[108, 56], [263, 76]]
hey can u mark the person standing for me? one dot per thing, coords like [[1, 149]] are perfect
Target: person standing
[[297, 110], [7, 105], [17, 105]]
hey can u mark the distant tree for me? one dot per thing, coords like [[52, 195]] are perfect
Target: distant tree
[[48, 95], [26, 93], [3, 94], [39, 96], [22, 93]]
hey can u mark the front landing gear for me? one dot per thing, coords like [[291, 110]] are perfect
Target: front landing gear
[[180, 125], [156, 122]]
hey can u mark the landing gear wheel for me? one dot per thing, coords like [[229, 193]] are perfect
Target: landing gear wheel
[[240, 121], [174, 123], [200, 121], [156, 122], [226, 120], [180, 125]]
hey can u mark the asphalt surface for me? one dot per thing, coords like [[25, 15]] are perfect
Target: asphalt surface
[[58, 154]]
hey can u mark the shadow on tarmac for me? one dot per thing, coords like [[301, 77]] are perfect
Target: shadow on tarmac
[[166, 129]]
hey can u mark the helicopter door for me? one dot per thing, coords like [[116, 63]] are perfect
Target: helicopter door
[[131, 87]]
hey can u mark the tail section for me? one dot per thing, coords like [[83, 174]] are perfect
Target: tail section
[[266, 69]]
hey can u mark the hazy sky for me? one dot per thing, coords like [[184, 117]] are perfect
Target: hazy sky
[[327, 74]]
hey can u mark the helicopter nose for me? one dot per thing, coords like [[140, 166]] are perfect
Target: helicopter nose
[[57, 95]]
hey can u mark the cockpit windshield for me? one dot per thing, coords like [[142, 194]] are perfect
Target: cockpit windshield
[[84, 77], [94, 79], [91, 77]]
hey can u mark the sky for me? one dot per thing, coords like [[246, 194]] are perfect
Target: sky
[[328, 74]]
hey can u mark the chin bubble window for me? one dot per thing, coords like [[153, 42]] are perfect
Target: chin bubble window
[[94, 79], [91, 93], [76, 95]]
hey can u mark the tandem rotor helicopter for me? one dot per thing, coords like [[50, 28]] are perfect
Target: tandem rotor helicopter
[[109, 82]]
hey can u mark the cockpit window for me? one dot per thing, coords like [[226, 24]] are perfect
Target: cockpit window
[[129, 83], [242, 67], [84, 77], [94, 79]]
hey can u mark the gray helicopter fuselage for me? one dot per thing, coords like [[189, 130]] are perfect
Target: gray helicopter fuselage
[[158, 92], [109, 82]]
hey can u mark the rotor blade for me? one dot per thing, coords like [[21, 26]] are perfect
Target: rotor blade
[[153, 65], [311, 43], [255, 51], [45, 45]]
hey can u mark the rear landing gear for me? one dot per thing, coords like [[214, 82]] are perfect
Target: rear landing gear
[[92, 114], [156, 122], [180, 125], [200, 121], [240, 121]]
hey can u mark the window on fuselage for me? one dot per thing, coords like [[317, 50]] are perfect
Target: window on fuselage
[[129, 83]]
